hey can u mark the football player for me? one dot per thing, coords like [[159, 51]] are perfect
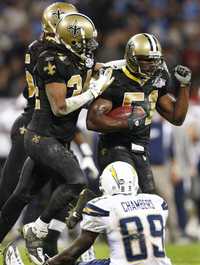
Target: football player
[[17, 155], [134, 223], [142, 84], [60, 73], [12, 168], [11, 210]]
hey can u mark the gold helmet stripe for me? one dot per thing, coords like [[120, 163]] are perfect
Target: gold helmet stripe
[[152, 42]]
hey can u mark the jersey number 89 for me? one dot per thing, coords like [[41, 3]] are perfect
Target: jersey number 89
[[136, 241]]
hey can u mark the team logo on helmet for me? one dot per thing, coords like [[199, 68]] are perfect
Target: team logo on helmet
[[58, 13], [74, 29]]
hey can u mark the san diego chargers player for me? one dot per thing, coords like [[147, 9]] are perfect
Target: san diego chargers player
[[134, 223]]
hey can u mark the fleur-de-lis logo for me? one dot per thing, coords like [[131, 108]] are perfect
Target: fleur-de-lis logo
[[22, 130], [74, 29], [58, 13], [36, 139], [50, 68]]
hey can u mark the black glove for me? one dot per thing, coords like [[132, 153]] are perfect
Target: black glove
[[136, 118], [183, 74]]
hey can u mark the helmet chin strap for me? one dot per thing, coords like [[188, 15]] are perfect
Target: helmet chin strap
[[88, 61]]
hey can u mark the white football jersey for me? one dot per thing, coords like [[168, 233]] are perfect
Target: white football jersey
[[135, 227]]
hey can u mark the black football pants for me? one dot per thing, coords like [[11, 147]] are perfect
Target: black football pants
[[139, 160], [15, 160]]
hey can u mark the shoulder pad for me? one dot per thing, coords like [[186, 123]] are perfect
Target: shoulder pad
[[33, 44], [94, 210], [46, 63], [63, 58], [35, 47], [118, 64]]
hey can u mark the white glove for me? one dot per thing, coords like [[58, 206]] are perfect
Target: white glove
[[183, 74], [88, 164], [97, 86]]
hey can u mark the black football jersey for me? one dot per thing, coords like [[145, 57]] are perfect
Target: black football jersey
[[55, 65], [127, 90], [31, 55]]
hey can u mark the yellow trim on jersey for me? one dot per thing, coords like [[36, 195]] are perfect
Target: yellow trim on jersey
[[88, 210], [132, 77]]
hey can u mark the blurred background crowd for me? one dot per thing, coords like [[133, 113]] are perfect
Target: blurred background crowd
[[175, 152]]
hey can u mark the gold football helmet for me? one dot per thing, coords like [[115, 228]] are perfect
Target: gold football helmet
[[77, 33], [53, 13], [143, 54]]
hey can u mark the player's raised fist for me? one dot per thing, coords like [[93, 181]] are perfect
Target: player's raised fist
[[183, 74]]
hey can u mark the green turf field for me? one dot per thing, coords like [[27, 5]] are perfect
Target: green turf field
[[180, 255]]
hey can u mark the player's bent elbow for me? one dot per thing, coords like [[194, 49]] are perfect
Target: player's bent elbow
[[178, 122], [59, 111], [90, 125]]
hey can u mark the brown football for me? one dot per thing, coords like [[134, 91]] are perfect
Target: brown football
[[121, 112]]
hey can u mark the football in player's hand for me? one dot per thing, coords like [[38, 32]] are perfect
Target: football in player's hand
[[122, 112]]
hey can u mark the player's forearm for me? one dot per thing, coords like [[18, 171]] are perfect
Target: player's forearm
[[174, 110], [106, 124], [60, 259], [74, 103], [70, 255], [67, 256], [181, 105]]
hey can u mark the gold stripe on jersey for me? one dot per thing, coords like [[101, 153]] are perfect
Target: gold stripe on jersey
[[131, 76], [27, 58], [130, 97], [31, 84]]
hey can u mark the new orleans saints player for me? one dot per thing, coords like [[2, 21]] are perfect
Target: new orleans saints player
[[142, 82], [59, 75], [10, 209]]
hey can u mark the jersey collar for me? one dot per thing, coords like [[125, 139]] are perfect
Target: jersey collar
[[132, 77]]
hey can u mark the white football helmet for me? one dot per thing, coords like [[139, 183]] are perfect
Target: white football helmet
[[119, 178]]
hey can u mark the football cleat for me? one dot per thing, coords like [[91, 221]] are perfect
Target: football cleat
[[11, 255], [34, 245]]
